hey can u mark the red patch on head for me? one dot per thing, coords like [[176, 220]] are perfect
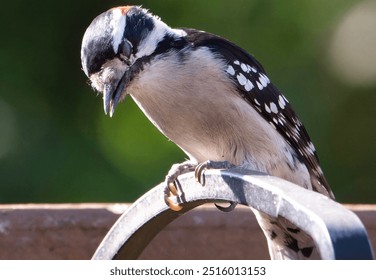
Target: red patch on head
[[124, 9]]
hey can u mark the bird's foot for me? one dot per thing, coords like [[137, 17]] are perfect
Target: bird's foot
[[171, 182], [200, 177], [185, 167]]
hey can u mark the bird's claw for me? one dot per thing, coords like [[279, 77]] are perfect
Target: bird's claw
[[172, 190], [203, 166], [229, 208], [171, 183], [174, 206]]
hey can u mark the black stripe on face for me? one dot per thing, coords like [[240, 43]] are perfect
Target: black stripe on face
[[138, 26]]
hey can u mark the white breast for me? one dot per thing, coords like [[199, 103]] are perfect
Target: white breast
[[194, 104]]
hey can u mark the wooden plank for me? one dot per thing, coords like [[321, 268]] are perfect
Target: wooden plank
[[73, 231]]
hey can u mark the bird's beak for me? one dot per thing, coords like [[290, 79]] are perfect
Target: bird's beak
[[112, 93]]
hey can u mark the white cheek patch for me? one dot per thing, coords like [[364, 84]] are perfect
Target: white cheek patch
[[149, 44], [118, 25]]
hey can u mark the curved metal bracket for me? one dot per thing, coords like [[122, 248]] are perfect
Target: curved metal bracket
[[337, 232]]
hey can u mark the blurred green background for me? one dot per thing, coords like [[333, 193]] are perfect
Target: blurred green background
[[56, 145]]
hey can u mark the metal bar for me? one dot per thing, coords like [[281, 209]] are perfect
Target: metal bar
[[337, 232]]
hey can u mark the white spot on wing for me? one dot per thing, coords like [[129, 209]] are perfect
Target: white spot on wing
[[308, 150], [262, 80], [248, 86], [297, 122], [281, 102], [311, 148], [236, 62], [295, 132], [244, 67], [273, 107], [266, 78], [260, 87], [272, 124], [267, 109], [231, 70], [319, 170], [310, 144], [241, 79]]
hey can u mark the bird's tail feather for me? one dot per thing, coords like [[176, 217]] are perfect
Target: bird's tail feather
[[285, 240]]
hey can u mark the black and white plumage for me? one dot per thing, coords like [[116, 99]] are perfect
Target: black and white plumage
[[210, 97]]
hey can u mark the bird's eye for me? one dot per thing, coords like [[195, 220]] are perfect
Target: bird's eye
[[125, 49]]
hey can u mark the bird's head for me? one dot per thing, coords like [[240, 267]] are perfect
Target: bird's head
[[117, 44]]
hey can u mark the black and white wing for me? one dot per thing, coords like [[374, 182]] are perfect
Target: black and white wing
[[255, 87]]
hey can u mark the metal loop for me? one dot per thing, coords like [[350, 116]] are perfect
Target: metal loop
[[337, 232]]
